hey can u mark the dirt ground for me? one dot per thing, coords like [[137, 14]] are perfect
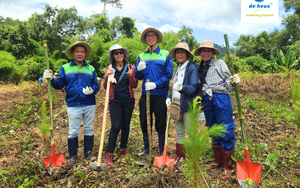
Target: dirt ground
[[23, 148]]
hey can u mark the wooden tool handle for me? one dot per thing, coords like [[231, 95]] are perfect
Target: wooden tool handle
[[103, 123]]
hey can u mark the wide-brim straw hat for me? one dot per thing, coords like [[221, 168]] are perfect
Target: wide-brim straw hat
[[88, 49], [207, 44], [159, 34], [117, 47], [183, 46]]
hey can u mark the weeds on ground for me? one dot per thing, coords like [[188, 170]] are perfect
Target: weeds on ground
[[197, 144], [43, 126]]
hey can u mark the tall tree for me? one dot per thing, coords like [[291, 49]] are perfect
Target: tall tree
[[185, 34], [128, 27], [114, 3]]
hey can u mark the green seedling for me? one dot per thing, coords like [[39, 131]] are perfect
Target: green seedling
[[197, 144], [43, 126]]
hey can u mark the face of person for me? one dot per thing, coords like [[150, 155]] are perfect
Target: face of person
[[151, 38], [206, 54], [78, 53], [118, 55], [181, 55]]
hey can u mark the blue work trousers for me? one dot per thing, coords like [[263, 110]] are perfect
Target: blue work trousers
[[218, 111]]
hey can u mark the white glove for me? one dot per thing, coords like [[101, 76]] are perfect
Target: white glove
[[111, 78], [234, 79], [177, 86], [150, 86], [48, 74], [87, 91], [142, 65], [168, 103]]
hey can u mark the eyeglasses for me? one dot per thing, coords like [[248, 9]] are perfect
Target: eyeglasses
[[120, 52], [151, 36]]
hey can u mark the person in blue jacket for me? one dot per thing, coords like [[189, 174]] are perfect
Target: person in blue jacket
[[156, 65], [40, 80], [216, 82], [81, 85], [184, 91]]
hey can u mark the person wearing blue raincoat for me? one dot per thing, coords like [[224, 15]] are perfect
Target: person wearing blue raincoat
[[215, 82]]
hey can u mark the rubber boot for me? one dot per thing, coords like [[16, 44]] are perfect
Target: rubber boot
[[146, 145], [73, 146], [161, 143], [219, 157], [228, 165], [179, 152], [88, 146]]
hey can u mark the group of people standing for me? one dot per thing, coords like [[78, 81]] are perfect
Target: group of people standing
[[211, 80]]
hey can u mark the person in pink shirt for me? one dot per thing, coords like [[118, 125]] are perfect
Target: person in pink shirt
[[121, 98]]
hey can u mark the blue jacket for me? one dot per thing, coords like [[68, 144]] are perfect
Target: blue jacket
[[159, 69], [189, 87], [74, 79]]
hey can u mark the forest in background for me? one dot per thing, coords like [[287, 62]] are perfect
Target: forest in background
[[23, 59]]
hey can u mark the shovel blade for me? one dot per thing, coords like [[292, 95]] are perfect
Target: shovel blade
[[55, 160], [248, 170], [159, 161]]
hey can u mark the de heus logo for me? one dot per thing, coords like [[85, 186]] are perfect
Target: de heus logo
[[260, 5]]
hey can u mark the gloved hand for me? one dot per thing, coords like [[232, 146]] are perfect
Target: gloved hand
[[168, 103], [142, 65], [234, 79], [87, 91], [150, 86], [48, 74], [111, 78], [177, 86], [111, 75]]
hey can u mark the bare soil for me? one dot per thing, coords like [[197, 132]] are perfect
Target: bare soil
[[23, 148]]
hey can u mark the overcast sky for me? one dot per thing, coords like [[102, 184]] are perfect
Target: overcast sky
[[209, 19]]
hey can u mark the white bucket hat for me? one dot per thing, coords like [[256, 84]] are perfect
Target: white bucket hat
[[207, 44], [159, 34], [88, 49], [117, 47]]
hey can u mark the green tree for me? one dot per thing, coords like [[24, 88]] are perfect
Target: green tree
[[128, 27], [6, 65], [115, 27], [245, 46], [185, 34], [113, 3]]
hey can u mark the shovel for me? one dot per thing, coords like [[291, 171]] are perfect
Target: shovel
[[102, 166], [159, 161], [248, 173], [55, 160]]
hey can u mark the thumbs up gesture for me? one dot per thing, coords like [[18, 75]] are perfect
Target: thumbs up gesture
[[142, 65]]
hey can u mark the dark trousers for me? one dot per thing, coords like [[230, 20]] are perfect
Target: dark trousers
[[120, 116], [158, 107]]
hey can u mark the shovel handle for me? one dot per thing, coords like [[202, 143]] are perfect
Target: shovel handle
[[103, 123], [237, 94], [50, 96], [148, 121]]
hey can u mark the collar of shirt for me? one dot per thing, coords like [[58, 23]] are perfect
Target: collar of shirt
[[200, 68], [184, 65], [73, 63], [157, 50]]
